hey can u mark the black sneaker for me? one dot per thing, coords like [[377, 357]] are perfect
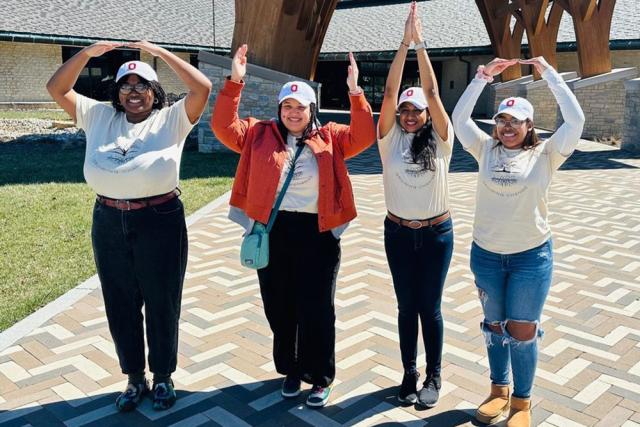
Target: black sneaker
[[290, 386], [408, 393], [164, 396], [131, 397], [430, 392]]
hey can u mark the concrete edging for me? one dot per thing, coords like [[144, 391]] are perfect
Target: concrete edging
[[34, 320]]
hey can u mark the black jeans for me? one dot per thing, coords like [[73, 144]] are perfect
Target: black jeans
[[141, 258], [298, 288], [419, 261]]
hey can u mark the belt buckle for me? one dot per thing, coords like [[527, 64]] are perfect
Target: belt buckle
[[414, 224], [126, 203]]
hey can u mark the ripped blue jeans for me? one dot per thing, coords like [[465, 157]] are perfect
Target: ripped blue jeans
[[514, 288]]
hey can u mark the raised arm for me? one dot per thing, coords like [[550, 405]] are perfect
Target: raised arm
[[360, 133], [467, 131], [394, 79], [225, 123], [60, 85], [438, 114], [198, 84], [565, 139]]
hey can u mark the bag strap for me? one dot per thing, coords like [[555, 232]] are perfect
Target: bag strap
[[274, 211]]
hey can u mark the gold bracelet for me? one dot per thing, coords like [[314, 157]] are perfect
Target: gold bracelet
[[404, 44]]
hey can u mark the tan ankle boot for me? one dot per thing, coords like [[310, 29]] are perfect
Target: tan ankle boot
[[495, 405], [520, 414]]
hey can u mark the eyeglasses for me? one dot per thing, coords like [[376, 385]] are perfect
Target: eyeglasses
[[407, 111], [126, 88], [514, 123]]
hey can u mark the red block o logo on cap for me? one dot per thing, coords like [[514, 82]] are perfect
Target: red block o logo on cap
[[294, 88], [410, 92], [511, 102], [132, 66]]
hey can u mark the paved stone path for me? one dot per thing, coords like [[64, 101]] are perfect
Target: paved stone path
[[65, 372]]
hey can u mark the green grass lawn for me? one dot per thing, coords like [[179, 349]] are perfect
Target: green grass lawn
[[34, 114], [45, 219]]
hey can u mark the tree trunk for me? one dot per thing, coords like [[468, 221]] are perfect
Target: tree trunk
[[284, 35]]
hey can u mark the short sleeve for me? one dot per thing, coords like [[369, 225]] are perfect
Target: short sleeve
[[177, 119], [89, 111], [385, 143], [445, 145]]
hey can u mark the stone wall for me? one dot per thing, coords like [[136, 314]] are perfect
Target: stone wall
[[540, 96], [25, 69], [602, 99], [259, 96], [631, 130]]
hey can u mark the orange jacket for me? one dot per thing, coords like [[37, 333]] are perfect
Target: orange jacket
[[263, 154]]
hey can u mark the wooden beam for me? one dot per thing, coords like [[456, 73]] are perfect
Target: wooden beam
[[506, 43], [592, 25], [284, 35], [542, 34]]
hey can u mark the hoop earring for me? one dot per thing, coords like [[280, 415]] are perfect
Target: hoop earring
[[156, 101]]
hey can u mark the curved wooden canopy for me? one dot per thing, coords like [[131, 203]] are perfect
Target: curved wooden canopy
[[592, 25], [540, 19], [285, 35]]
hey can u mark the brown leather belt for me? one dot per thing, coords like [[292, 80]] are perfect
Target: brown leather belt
[[133, 204], [417, 224]]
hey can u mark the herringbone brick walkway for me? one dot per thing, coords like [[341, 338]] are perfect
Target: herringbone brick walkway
[[66, 373]]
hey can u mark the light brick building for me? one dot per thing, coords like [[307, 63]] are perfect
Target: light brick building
[[35, 37]]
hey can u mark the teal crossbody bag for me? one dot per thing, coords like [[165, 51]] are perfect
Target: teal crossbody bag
[[254, 251]]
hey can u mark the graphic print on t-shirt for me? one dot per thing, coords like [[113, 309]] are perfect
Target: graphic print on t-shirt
[[506, 173], [419, 176], [111, 157], [299, 177]]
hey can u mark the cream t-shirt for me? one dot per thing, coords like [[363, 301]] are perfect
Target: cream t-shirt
[[302, 193], [132, 160], [409, 191]]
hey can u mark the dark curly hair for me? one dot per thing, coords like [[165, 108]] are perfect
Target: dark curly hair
[[423, 147], [159, 96], [307, 130]]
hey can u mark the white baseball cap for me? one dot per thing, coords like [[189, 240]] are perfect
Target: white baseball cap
[[139, 68], [516, 107], [414, 95], [300, 91]]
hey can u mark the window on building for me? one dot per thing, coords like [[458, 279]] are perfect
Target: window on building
[[373, 76], [97, 77]]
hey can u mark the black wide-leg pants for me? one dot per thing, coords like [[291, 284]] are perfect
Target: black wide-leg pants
[[298, 289]]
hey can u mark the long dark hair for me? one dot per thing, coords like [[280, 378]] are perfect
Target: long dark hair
[[423, 147], [531, 140], [159, 97], [308, 130]]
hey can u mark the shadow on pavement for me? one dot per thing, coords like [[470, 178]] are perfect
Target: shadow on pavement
[[252, 404]]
